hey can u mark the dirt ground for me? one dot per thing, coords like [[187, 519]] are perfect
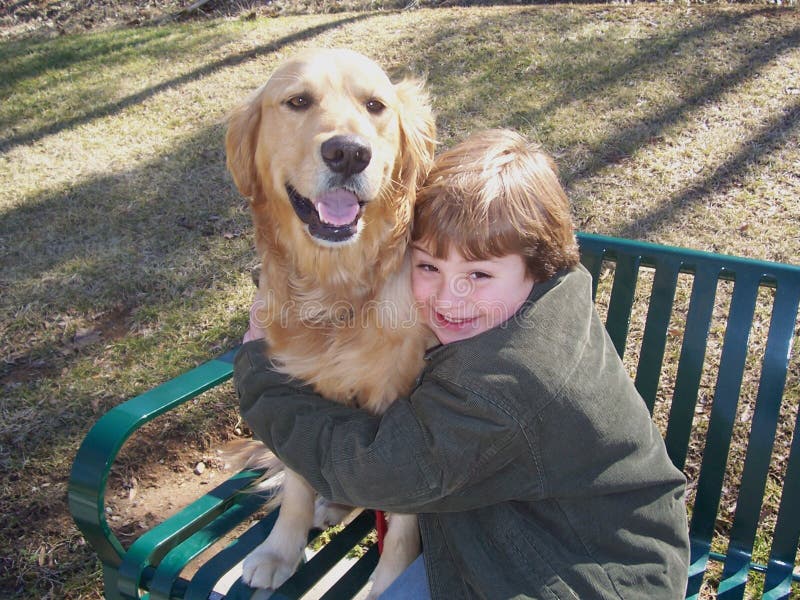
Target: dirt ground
[[64, 16], [139, 498], [68, 16]]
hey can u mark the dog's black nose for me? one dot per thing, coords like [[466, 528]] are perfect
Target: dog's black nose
[[346, 154]]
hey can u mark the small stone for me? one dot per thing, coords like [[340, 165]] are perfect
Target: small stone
[[200, 468]]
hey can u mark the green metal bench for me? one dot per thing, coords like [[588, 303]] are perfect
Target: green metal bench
[[673, 296]]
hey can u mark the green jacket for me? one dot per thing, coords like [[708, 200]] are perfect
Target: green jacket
[[526, 451]]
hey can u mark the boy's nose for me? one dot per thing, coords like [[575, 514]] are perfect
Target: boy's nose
[[453, 290]]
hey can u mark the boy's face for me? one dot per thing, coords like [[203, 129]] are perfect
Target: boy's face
[[461, 298]]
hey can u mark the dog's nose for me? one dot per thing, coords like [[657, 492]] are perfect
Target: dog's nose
[[346, 154]]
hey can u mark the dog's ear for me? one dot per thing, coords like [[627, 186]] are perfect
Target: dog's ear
[[240, 144], [418, 131]]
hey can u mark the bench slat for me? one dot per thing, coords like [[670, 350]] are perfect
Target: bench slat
[[720, 425], [780, 571], [690, 363], [654, 339], [302, 581], [759, 450], [169, 568], [149, 549], [355, 578], [592, 259], [208, 575], [621, 303]]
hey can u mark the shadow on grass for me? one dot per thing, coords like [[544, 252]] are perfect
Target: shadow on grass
[[103, 247], [109, 250], [581, 81], [114, 107], [110, 243], [102, 244], [637, 135], [23, 59], [761, 144], [593, 80]]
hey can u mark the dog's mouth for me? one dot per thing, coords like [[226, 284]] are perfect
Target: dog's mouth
[[332, 217]]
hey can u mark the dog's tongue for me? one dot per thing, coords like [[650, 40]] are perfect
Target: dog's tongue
[[338, 207]]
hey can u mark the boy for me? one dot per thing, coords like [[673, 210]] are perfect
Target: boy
[[525, 450]]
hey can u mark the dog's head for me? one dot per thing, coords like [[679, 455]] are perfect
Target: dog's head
[[329, 145]]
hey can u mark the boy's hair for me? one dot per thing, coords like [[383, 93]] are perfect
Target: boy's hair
[[496, 194]]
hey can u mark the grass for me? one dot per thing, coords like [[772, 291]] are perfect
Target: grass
[[125, 250]]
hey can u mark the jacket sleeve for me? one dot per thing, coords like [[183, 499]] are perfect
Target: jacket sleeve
[[440, 450]]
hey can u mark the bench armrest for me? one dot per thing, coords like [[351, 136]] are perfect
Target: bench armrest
[[87, 484]]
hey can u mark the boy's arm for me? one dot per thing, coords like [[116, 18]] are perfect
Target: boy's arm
[[436, 451]]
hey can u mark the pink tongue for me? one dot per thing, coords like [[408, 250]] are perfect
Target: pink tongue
[[338, 207]]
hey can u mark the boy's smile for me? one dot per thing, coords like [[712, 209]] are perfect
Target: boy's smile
[[461, 298]]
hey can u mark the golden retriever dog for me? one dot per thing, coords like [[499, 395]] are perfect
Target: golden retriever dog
[[329, 151]]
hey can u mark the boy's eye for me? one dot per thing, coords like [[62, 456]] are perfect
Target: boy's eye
[[480, 275], [428, 268]]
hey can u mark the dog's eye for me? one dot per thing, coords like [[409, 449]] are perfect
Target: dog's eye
[[375, 106], [300, 102]]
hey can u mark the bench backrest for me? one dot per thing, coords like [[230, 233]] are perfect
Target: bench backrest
[[726, 327]]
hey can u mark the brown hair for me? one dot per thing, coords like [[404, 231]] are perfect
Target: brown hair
[[496, 194]]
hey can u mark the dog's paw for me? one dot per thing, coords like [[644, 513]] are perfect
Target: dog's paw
[[327, 514], [268, 568]]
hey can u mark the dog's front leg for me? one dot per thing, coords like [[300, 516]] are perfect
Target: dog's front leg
[[400, 547], [276, 559]]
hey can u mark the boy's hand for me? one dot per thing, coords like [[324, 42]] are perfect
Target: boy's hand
[[254, 332]]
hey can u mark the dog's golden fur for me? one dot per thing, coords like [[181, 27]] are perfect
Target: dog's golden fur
[[337, 316], [334, 298]]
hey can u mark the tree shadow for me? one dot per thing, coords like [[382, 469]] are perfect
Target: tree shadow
[[96, 246], [123, 262], [26, 58], [108, 243], [113, 253], [114, 107], [577, 80], [588, 81], [636, 135], [761, 143]]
